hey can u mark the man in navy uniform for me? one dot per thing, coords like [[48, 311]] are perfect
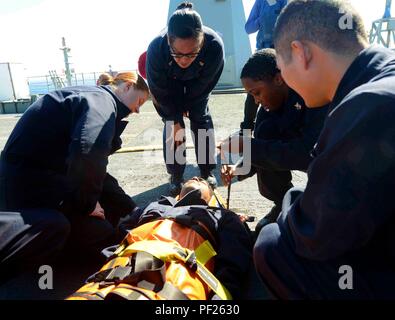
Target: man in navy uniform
[[345, 218]]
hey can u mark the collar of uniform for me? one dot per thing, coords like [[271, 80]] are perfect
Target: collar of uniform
[[291, 102], [122, 110], [368, 64], [294, 99]]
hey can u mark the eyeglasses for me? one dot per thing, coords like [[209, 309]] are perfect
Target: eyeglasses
[[180, 55]]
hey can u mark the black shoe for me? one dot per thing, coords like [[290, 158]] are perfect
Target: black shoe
[[271, 217], [211, 179], [175, 186]]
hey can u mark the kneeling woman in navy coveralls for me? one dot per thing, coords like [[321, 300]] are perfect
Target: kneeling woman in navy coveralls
[[53, 179]]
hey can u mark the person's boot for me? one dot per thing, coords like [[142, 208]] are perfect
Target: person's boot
[[271, 217], [211, 179], [175, 185]]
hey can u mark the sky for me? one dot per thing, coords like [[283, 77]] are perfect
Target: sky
[[99, 32]]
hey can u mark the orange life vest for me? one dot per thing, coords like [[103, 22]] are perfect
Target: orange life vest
[[159, 260]]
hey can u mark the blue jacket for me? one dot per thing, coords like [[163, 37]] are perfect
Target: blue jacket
[[284, 139], [57, 154], [263, 18], [347, 210], [179, 90]]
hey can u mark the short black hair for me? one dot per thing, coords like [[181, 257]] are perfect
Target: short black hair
[[261, 66], [333, 25], [185, 23]]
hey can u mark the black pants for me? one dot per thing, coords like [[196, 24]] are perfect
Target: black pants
[[273, 184], [32, 236], [250, 111], [202, 122]]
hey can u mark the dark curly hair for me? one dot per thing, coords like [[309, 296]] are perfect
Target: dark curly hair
[[261, 66]]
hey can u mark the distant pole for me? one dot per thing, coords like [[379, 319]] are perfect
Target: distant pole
[[66, 51], [387, 13]]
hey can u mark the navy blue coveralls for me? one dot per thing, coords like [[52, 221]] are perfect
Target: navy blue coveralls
[[262, 18], [346, 215], [178, 90], [53, 172], [282, 142]]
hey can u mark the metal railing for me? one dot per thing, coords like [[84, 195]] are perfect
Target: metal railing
[[43, 84], [40, 85]]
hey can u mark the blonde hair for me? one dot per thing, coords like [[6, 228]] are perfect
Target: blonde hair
[[104, 79], [128, 77]]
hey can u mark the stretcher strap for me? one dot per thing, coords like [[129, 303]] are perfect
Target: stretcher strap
[[143, 270], [217, 200], [170, 292], [127, 292], [205, 252], [86, 295], [193, 259]]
